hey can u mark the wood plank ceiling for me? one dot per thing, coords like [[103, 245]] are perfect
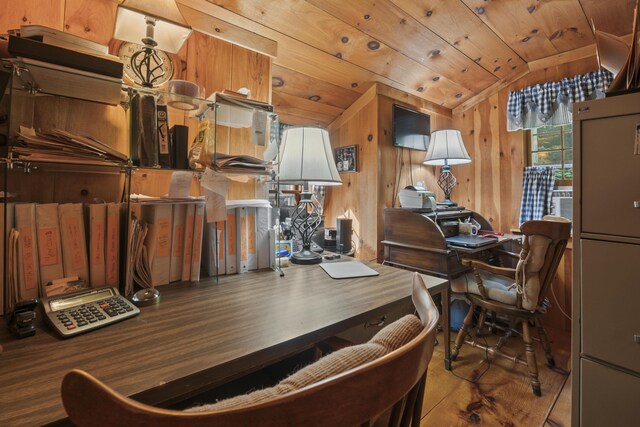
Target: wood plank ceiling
[[445, 51]]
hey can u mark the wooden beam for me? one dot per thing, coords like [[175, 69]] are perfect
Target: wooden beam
[[490, 91], [347, 114], [413, 100], [226, 31], [288, 104], [570, 56]]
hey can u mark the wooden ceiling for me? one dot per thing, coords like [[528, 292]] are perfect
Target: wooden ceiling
[[449, 52]]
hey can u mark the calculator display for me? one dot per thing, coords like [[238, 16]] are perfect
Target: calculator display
[[72, 301]]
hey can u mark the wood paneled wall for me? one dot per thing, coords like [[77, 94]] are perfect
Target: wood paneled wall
[[382, 167], [492, 183], [212, 63]]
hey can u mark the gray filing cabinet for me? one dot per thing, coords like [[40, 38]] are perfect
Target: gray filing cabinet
[[606, 281]]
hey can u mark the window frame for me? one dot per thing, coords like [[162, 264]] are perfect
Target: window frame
[[528, 153]]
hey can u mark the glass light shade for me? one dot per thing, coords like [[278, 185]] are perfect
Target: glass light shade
[[446, 146], [171, 30], [306, 157]]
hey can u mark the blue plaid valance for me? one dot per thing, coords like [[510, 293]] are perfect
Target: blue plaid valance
[[550, 103]]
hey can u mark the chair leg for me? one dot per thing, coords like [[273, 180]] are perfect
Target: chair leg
[[545, 342], [481, 318], [531, 358], [463, 332]]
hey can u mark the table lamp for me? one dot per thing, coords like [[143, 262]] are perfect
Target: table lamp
[[445, 149], [306, 158], [137, 22]]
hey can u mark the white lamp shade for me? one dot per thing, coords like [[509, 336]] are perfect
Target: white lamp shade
[[446, 145], [306, 156], [171, 30]]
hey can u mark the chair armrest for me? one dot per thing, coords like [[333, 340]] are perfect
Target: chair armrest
[[503, 271]]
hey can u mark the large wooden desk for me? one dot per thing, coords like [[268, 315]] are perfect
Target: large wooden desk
[[415, 241], [198, 337]]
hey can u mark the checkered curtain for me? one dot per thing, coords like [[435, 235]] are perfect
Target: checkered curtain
[[550, 103], [537, 189]]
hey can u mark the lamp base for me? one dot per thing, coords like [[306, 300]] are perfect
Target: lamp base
[[447, 203], [306, 257]]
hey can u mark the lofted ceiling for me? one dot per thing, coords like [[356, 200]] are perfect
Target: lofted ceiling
[[449, 52]]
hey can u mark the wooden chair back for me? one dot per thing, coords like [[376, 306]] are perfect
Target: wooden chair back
[[394, 382], [559, 232]]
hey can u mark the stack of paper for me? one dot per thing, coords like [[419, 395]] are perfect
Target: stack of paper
[[620, 57], [63, 146], [241, 164]]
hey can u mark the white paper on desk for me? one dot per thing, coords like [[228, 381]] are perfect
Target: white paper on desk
[[180, 184], [216, 206], [215, 182]]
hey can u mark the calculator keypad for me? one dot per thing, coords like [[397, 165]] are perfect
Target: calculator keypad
[[94, 313]]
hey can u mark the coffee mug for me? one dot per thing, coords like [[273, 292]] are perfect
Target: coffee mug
[[468, 228]]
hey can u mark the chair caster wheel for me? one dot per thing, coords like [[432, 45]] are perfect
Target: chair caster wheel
[[551, 363], [537, 391]]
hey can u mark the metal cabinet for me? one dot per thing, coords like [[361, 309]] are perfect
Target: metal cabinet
[[606, 282]]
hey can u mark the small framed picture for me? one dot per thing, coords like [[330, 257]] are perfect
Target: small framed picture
[[347, 158]]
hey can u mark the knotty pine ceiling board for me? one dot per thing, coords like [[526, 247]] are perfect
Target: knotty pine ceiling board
[[330, 35], [454, 22], [563, 22], [611, 16], [391, 26], [306, 87], [512, 21]]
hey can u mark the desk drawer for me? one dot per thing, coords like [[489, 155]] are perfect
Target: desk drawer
[[608, 397], [610, 298]]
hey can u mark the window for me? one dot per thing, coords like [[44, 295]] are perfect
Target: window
[[553, 146]]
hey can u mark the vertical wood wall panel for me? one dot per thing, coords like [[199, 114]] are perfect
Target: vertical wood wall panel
[[26, 12]]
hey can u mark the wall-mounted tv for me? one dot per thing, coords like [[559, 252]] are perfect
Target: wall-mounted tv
[[411, 129]]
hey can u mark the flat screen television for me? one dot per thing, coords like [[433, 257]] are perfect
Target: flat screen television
[[411, 129]]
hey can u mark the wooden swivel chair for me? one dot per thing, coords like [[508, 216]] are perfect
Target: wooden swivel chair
[[519, 293], [392, 384]]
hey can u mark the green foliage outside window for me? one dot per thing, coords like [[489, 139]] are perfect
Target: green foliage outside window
[[553, 146]]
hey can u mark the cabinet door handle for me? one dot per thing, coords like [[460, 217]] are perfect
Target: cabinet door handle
[[636, 204], [636, 338]]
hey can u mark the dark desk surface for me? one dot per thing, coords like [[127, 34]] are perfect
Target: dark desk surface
[[199, 336]]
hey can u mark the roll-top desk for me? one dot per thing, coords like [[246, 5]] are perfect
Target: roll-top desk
[[416, 241]]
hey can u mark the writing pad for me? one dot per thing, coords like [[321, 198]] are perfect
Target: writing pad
[[347, 269]]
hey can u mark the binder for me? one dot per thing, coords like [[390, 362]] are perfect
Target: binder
[[112, 245], [209, 250], [97, 239], [6, 224], [263, 220], [188, 242], [179, 147], [177, 242], [242, 240], [252, 252], [74, 243], [49, 243], [221, 264], [28, 274], [158, 241], [231, 242], [196, 252]]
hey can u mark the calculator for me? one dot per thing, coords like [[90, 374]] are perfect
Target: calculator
[[84, 311]]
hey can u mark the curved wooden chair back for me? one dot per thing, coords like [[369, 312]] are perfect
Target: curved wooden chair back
[[558, 230], [393, 382]]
